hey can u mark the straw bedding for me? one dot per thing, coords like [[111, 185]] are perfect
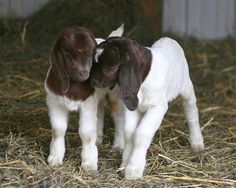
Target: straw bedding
[[25, 130]]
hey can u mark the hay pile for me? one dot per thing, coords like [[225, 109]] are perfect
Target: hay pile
[[25, 129]]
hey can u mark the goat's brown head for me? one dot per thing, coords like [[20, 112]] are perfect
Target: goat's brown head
[[71, 56], [121, 61]]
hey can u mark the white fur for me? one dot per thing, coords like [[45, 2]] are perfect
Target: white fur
[[118, 32], [91, 123], [99, 40], [168, 78], [97, 54]]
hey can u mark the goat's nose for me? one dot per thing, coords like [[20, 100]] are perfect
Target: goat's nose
[[84, 73]]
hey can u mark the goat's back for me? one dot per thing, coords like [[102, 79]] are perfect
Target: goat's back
[[169, 71]]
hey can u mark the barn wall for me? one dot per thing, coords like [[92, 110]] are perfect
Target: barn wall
[[210, 19], [20, 8]]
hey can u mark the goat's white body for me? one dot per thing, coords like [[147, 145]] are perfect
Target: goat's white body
[[168, 74], [168, 78], [91, 123]]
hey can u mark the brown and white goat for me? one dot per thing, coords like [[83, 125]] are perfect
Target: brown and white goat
[[68, 89]]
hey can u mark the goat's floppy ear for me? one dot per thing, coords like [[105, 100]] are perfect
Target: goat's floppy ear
[[59, 69], [130, 80]]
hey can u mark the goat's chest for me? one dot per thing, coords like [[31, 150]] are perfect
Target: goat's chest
[[146, 99], [151, 93], [90, 102], [70, 105], [80, 91]]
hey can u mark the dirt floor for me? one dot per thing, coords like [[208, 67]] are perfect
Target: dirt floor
[[25, 130]]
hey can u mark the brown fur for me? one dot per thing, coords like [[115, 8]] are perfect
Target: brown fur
[[112, 105]]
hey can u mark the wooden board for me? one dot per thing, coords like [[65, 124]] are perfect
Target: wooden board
[[20, 8], [210, 19]]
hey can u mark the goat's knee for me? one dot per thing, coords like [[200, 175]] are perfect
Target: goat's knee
[[89, 152]]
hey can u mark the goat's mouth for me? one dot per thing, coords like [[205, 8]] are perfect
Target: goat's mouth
[[80, 76]]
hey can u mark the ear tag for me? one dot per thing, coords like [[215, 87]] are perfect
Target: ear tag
[[97, 54]]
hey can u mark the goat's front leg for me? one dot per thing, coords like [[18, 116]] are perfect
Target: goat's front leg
[[142, 138], [131, 121], [88, 135], [58, 118]]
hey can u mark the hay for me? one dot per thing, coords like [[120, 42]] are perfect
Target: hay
[[25, 130]]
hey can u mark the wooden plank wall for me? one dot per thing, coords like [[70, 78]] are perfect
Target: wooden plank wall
[[20, 8], [210, 19]]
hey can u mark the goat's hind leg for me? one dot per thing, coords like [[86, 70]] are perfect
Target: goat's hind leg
[[117, 111], [118, 117], [191, 113], [100, 122]]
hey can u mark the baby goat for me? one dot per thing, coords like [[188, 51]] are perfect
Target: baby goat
[[148, 79], [68, 89]]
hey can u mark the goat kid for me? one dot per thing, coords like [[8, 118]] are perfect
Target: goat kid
[[148, 79], [68, 89]]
